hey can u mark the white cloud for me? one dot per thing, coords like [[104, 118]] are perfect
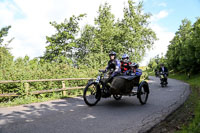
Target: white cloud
[[30, 22], [164, 36], [162, 4], [161, 45], [162, 14]]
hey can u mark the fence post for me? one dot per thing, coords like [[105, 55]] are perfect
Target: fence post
[[26, 86], [63, 87]]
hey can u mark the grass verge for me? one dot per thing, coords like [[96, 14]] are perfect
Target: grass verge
[[39, 98]]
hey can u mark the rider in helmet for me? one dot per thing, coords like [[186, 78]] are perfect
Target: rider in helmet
[[164, 70], [113, 66], [125, 63], [133, 70]]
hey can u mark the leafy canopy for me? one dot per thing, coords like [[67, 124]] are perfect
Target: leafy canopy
[[131, 35]]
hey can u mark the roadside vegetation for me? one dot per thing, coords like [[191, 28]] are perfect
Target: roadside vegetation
[[183, 60], [192, 106]]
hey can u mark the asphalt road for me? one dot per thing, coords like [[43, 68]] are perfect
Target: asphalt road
[[72, 115]]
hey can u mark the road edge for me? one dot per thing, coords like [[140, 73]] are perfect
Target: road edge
[[152, 120]]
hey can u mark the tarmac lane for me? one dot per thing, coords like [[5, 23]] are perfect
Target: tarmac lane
[[72, 115]]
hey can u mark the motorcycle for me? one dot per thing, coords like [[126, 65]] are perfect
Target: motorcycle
[[120, 86], [163, 79]]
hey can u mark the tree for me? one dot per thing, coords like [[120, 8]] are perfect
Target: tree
[[136, 35], [130, 35], [85, 44], [155, 62], [183, 51], [97, 41], [6, 57], [195, 48], [61, 44]]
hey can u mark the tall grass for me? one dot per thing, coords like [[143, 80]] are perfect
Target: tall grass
[[194, 81]]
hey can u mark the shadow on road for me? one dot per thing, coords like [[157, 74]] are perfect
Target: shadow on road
[[36, 111]]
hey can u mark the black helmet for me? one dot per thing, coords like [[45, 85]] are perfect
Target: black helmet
[[112, 53], [134, 65]]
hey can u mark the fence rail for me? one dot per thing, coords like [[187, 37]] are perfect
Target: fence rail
[[40, 80], [27, 86]]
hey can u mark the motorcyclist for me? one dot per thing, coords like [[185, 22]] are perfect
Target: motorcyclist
[[113, 66], [134, 70], [125, 63], [163, 70]]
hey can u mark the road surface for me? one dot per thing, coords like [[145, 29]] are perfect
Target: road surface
[[72, 115]]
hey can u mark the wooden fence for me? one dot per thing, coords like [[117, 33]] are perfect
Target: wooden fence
[[29, 92]]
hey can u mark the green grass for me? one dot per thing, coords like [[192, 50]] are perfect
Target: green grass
[[27, 100], [194, 81], [40, 98]]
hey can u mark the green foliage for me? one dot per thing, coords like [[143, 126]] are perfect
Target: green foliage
[[193, 80], [25, 69], [6, 59], [135, 33], [130, 35], [184, 50], [29, 99], [4, 33], [194, 125], [61, 44], [155, 62]]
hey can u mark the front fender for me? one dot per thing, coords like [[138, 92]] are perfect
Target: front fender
[[90, 81]]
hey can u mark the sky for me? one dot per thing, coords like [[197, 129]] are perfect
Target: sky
[[29, 20]]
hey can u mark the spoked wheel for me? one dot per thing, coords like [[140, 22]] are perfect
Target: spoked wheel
[[92, 94], [117, 97], [143, 92]]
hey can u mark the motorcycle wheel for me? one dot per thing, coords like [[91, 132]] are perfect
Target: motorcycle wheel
[[92, 94], [117, 97], [165, 84], [143, 92], [162, 84]]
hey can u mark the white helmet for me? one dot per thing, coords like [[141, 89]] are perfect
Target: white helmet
[[124, 56]]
